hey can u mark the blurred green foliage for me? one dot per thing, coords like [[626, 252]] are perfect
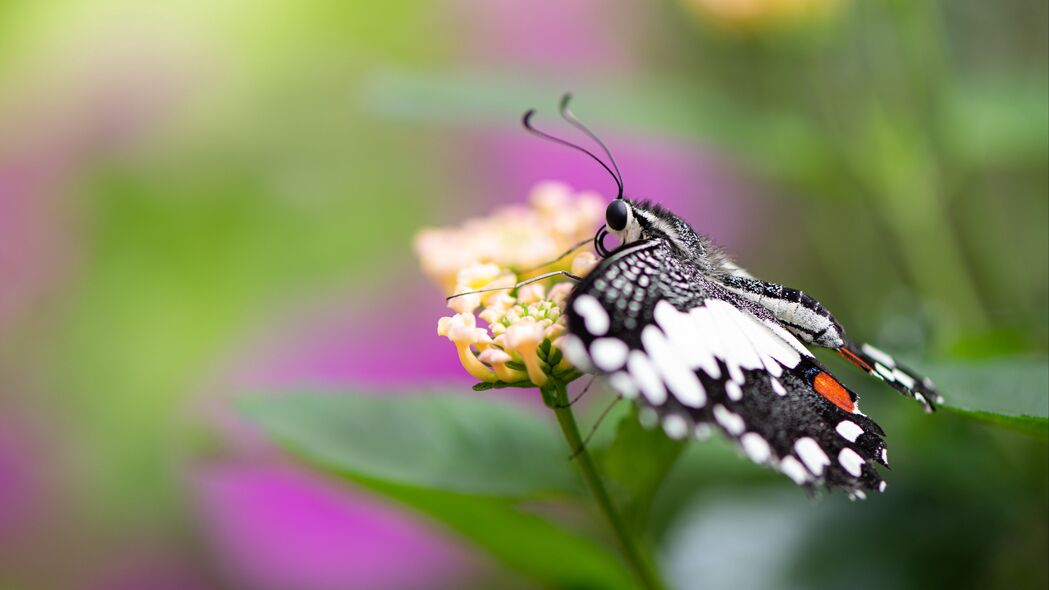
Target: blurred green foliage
[[940, 526], [907, 143]]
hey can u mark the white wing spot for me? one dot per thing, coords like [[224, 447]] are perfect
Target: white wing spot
[[878, 355], [851, 461], [675, 426], [703, 327], [732, 423], [575, 352], [793, 469], [689, 340], [647, 379], [904, 379], [648, 418], [885, 455], [755, 447], [594, 316], [739, 352], [735, 393], [609, 354], [678, 377], [849, 430], [788, 338], [811, 454], [769, 344], [778, 387], [885, 372], [882, 485], [621, 382], [702, 432]]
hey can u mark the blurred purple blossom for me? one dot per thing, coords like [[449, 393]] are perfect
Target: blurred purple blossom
[[18, 481], [276, 527], [157, 567], [550, 34]]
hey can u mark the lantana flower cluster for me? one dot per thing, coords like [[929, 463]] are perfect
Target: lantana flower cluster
[[506, 336]]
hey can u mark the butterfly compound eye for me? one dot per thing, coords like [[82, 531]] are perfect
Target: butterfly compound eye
[[616, 215]]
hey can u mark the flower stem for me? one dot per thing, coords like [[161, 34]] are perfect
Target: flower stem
[[556, 397]]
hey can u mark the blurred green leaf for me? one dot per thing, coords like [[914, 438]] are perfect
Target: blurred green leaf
[[774, 140], [526, 542], [426, 450], [1009, 392], [458, 443], [1002, 121], [635, 463]]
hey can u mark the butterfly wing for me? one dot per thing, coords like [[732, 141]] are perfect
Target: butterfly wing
[[884, 367], [696, 357]]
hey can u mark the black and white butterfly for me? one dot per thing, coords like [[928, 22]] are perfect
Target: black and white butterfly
[[702, 345]]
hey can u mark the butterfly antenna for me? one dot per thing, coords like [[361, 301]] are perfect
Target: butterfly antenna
[[526, 120], [568, 115]]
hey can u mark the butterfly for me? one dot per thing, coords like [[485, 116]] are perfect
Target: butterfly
[[701, 345]]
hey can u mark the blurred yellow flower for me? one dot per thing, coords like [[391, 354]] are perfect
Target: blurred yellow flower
[[523, 337], [462, 330], [518, 346], [514, 238], [758, 15]]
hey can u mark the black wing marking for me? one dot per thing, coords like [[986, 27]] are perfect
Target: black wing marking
[[696, 356], [805, 317], [809, 320], [901, 378]]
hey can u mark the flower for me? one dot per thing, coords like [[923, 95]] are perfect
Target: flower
[[755, 16], [462, 330], [475, 277], [517, 345], [515, 238], [523, 337], [583, 263]]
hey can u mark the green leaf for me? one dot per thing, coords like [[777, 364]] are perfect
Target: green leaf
[[458, 443], [1009, 392], [523, 541], [634, 464], [424, 451], [999, 121], [774, 140]]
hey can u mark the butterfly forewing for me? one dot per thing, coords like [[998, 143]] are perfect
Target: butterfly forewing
[[698, 356]]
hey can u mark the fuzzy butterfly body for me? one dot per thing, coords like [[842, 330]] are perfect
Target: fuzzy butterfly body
[[702, 345]]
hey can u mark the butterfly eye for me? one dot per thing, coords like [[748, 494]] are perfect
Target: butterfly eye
[[616, 215]]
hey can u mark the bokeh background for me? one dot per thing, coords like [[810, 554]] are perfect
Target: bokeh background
[[203, 200]]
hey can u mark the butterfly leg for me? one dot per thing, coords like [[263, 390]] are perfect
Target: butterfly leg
[[541, 277], [807, 319], [593, 429], [579, 395]]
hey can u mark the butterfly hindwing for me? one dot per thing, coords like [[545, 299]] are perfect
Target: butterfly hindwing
[[882, 366], [700, 357]]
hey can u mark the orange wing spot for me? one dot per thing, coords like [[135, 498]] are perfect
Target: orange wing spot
[[852, 358], [829, 388]]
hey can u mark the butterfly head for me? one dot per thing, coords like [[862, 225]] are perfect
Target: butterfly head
[[632, 221], [621, 221]]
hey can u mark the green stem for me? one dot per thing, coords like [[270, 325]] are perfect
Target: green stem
[[556, 398]]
